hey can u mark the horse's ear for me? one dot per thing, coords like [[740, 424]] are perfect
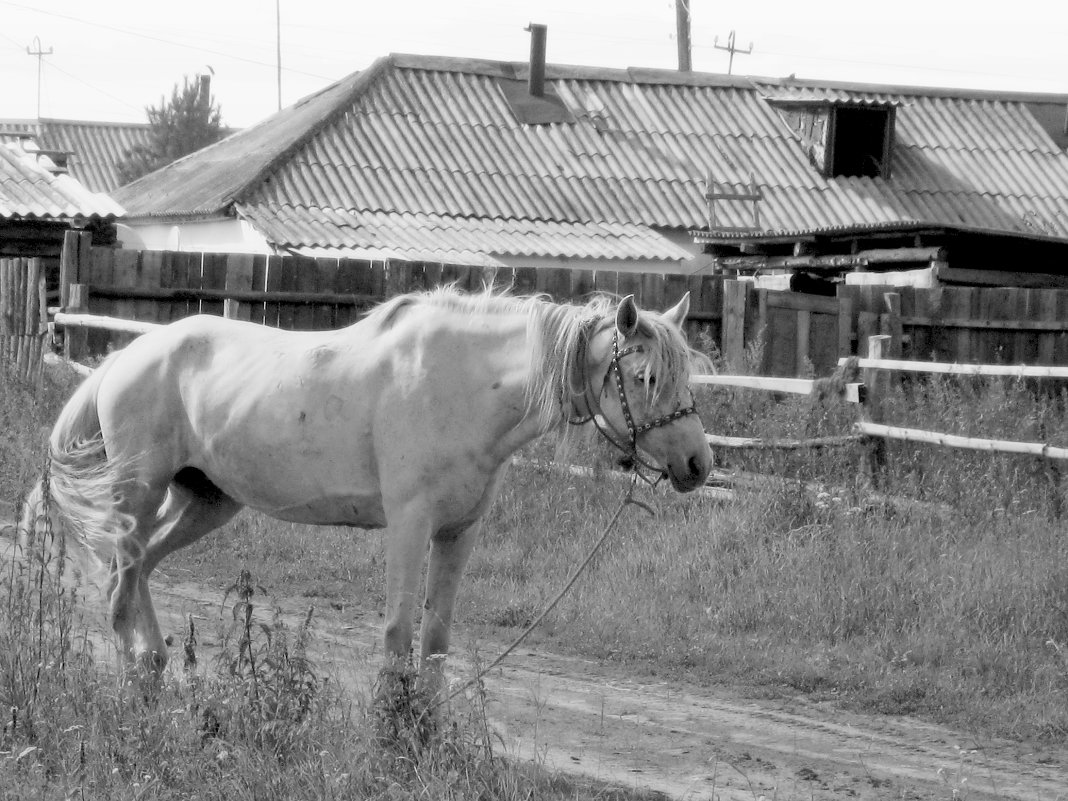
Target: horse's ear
[[627, 316], [677, 313]]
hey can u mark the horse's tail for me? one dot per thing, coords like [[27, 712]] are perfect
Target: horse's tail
[[81, 487]]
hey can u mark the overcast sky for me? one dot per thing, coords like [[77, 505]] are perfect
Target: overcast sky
[[111, 58]]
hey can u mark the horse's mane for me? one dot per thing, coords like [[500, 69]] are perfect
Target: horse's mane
[[558, 334]]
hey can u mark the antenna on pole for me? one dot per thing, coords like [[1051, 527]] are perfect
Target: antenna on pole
[[730, 48], [40, 53], [682, 29]]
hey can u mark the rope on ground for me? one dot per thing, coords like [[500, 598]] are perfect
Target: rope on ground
[[628, 498]]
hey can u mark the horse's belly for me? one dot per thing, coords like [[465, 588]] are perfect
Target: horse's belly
[[363, 511]]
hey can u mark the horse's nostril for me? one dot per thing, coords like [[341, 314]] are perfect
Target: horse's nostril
[[696, 468]]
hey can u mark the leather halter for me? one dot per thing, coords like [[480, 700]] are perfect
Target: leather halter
[[633, 430]]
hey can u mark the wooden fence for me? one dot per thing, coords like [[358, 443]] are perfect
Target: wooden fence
[[966, 324], [802, 334], [799, 332], [960, 324], [302, 293], [23, 316]]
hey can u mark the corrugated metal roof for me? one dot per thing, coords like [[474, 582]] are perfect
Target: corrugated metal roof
[[29, 190], [96, 148], [463, 240], [433, 138]]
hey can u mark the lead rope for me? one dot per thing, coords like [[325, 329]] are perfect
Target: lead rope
[[628, 498]]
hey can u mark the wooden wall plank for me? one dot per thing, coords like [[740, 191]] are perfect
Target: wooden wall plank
[[629, 284], [213, 276], [556, 283], [823, 338], [151, 275], [526, 280], [606, 281], [305, 279], [126, 267], [350, 277], [735, 306], [582, 285], [239, 275], [780, 356], [805, 346], [1047, 342], [653, 292], [275, 277], [1025, 346], [326, 314]]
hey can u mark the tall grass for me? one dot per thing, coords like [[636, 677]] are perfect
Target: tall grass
[[955, 609], [260, 721]]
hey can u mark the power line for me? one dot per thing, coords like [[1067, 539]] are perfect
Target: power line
[[84, 82], [162, 40]]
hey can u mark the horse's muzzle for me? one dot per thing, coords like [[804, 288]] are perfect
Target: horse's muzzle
[[692, 475]]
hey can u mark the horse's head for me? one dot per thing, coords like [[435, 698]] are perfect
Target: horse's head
[[638, 371]]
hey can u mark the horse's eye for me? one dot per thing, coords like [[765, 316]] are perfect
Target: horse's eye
[[647, 378]]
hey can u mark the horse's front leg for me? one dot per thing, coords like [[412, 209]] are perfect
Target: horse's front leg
[[449, 552], [409, 533]]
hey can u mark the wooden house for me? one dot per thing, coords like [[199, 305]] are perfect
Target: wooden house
[[486, 162], [40, 202]]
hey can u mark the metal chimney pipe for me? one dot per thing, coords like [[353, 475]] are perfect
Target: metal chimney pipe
[[536, 81], [204, 90]]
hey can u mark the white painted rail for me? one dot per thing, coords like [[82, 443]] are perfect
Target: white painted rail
[[65, 320], [945, 368], [957, 441], [794, 386]]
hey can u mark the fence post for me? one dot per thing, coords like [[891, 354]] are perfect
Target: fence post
[[76, 340], [890, 324], [232, 309], [736, 300], [7, 289], [876, 388]]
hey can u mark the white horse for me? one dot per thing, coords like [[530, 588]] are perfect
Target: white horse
[[407, 418]]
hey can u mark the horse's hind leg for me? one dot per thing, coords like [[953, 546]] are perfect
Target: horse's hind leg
[[190, 507], [194, 507], [132, 616]]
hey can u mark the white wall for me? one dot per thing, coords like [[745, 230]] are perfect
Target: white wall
[[211, 236]]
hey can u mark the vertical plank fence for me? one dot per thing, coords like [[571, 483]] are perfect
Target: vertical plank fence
[[803, 334], [23, 317], [966, 324], [302, 293], [800, 332]]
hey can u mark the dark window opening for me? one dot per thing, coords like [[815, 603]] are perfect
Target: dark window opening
[[861, 141]]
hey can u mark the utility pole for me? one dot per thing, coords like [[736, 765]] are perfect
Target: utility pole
[[40, 53], [731, 49], [682, 29]]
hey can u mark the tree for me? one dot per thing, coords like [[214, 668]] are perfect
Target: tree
[[190, 121]]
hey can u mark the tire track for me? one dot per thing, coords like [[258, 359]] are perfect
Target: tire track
[[583, 718]]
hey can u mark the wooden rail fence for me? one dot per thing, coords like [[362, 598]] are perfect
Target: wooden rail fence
[[869, 430]]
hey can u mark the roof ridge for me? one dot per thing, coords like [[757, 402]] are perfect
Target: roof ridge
[[362, 80], [519, 69]]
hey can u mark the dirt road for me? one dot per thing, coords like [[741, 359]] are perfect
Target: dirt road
[[582, 717]]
